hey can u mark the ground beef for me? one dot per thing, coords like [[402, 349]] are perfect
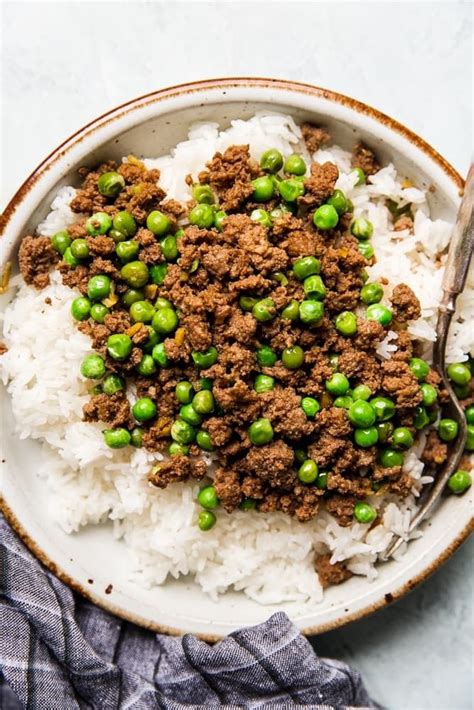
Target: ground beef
[[405, 304], [342, 507], [363, 157], [230, 174], [113, 409], [3, 348], [435, 451], [314, 137], [176, 469], [402, 223], [272, 463], [401, 384], [283, 408], [36, 257], [331, 573], [228, 488], [319, 185]]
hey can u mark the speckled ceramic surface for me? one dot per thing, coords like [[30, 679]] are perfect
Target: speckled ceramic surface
[[91, 560]]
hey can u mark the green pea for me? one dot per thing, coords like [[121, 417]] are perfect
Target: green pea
[[462, 391], [207, 497], [293, 357], [162, 303], [124, 223], [158, 273], [205, 359], [264, 310], [262, 217], [203, 402], [247, 302], [366, 249], [165, 320], [136, 437], [219, 218], [383, 407], [206, 520], [361, 392], [159, 355], [110, 184], [389, 458], [70, 259], [429, 393], [306, 266], [184, 392], [117, 438], [93, 367], [127, 251], [362, 414], [402, 438], [119, 346], [300, 456], [325, 217], [132, 296], [343, 402], [248, 504], [290, 189], [322, 480], [144, 409], [311, 312], [158, 223], [266, 357], [421, 418], [314, 287], [169, 248], [459, 482], [142, 312], [364, 513], [61, 241], [260, 432], [271, 161], [366, 437], [263, 189], [334, 361], [310, 406], [99, 223], [362, 228], [459, 373], [371, 293], [80, 308], [112, 384], [96, 389], [99, 312], [379, 313], [80, 249], [146, 366], [308, 471], [337, 384], [263, 383], [189, 415], [360, 176], [448, 429], [469, 414], [280, 277], [346, 323], [364, 275], [202, 216], [469, 445], [98, 287], [117, 236], [205, 383], [135, 274], [153, 339], [175, 449], [384, 430], [419, 367], [295, 165], [204, 440], [338, 200], [281, 210], [182, 432], [291, 311], [203, 194]]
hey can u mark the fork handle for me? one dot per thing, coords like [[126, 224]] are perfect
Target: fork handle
[[460, 248]]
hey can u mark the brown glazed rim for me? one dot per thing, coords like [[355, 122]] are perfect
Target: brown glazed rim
[[160, 95]]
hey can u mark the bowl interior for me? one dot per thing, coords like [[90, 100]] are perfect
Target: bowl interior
[[92, 560]]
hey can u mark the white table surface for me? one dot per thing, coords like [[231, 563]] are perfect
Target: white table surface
[[66, 62]]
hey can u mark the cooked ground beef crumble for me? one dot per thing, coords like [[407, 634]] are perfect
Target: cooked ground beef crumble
[[261, 305]]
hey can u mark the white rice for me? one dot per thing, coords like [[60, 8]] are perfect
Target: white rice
[[268, 556]]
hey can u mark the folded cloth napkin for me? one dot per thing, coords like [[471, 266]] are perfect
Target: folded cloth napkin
[[59, 652]]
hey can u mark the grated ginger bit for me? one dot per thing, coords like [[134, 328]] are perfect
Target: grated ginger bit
[[150, 290], [110, 300], [342, 252], [407, 183], [5, 277], [179, 336], [163, 426], [133, 329], [135, 161]]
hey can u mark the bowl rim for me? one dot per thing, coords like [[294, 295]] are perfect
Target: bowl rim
[[137, 103]]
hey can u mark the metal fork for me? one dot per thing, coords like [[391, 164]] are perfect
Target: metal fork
[[457, 265]]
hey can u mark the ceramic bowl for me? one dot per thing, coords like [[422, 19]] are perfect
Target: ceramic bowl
[[91, 560]]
